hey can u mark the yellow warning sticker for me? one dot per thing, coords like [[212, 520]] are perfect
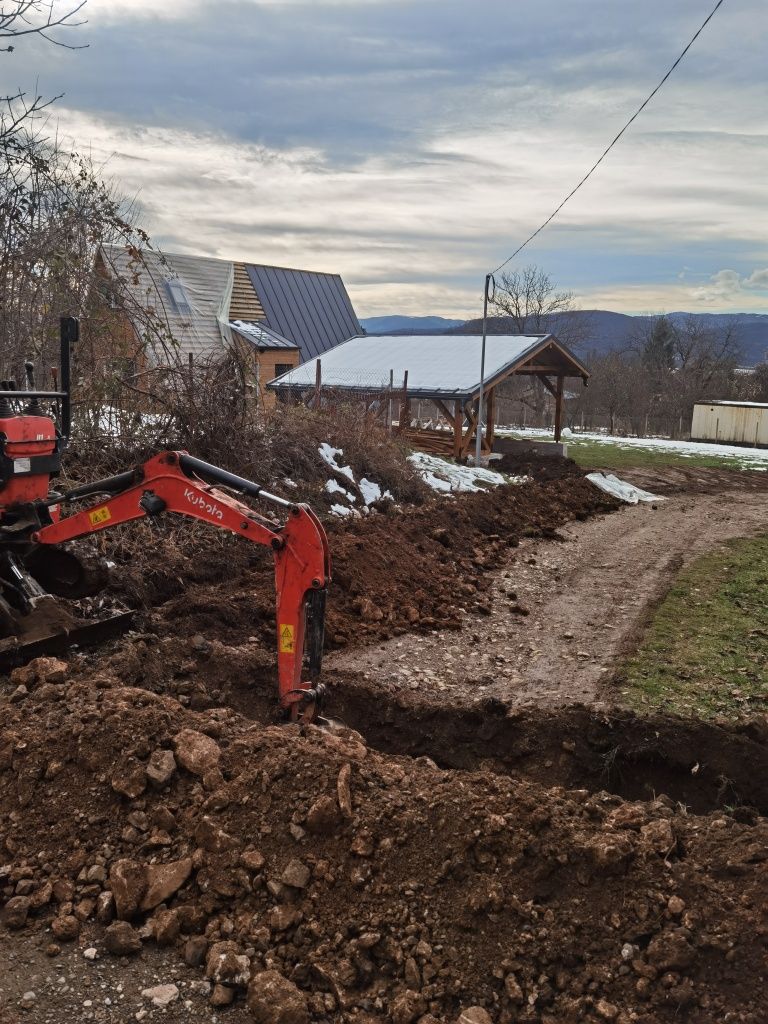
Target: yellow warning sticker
[[99, 515], [286, 639]]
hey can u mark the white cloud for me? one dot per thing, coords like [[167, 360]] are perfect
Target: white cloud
[[729, 285], [412, 152]]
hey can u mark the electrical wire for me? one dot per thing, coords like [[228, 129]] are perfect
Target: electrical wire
[[605, 152]]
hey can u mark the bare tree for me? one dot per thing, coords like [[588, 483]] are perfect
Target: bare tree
[[42, 18], [531, 301]]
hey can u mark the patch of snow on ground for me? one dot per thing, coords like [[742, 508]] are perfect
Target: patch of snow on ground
[[371, 491], [334, 487], [754, 458], [448, 476], [621, 489], [344, 510], [329, 456]]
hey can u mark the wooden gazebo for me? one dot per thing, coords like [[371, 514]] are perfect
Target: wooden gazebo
[[444, 369]]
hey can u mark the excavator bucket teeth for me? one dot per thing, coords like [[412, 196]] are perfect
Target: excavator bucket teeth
[[51, 629]]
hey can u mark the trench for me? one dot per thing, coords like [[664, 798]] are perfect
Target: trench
[[701, 765]]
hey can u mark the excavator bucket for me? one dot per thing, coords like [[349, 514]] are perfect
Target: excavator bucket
[[49, 628], [38, 623]]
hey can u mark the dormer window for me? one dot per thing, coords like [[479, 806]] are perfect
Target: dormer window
[[179, 297]]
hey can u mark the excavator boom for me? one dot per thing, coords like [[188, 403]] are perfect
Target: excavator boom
[[34, 526]]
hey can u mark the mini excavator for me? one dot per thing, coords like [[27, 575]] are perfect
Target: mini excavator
[[36, 569]]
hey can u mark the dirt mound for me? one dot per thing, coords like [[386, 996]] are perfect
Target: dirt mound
[[357, 886], [529, 462], [393, 572]]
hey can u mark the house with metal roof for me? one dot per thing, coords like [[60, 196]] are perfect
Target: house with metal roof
[[279, 315], [445, 369]]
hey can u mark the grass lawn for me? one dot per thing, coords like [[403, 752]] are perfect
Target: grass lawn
[[706, 650], [602, 455], [601, 452]]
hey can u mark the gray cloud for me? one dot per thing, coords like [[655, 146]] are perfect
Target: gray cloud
[[398, 140]]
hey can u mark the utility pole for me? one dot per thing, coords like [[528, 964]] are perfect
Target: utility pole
[[489, 283]]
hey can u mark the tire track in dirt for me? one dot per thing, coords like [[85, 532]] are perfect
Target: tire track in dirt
[[563, 614]]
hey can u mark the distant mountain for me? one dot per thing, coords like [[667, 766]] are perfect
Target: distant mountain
[[600, 330], [408, 324]]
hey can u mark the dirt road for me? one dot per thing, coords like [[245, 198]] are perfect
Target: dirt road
[[562, 614]]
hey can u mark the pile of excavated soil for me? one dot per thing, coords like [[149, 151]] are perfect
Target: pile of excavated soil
[[320, 880], [403, 571], [529, 462]]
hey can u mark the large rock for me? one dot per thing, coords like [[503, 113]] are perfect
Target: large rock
[[475, 1015], [272, 999], [227, 965], [163, 880], [161, 766], [16, 911], [296, 874], [324, 817], [128, 882], [130, 780], [121, 939], [40, 670], [161, 995], [196, 752]]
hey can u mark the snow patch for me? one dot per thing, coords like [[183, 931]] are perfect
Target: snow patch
[[747, 458], [344, 510], [371, 491], [329, 456], [621, 489], [334, 487]]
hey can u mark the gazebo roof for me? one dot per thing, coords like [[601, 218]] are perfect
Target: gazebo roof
[[439, 366]]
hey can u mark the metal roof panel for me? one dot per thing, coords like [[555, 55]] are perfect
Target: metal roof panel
[[436, 364]]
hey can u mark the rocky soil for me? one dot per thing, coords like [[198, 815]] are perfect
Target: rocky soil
[[314, 878], [172, 854]]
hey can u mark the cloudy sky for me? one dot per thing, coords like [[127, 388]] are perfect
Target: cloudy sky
[[411, 145]]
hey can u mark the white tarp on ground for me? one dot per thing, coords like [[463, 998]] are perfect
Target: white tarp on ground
[[449, 476], [621, 489]]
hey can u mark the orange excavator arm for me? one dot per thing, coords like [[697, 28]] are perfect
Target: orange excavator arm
[[177, 482]]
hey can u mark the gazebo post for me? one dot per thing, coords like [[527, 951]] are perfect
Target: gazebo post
[[558, 407], [458, 428], [490, 418]]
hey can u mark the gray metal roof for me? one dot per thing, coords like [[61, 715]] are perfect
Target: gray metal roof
[[310, 309], [260, 335], [203, 285], [437, 365]]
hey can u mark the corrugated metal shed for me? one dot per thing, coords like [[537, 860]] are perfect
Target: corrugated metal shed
[[260, 336], [438, 365], [731, 423], [310, 309]]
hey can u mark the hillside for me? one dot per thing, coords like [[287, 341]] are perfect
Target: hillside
[[603, 330], [408, 324]]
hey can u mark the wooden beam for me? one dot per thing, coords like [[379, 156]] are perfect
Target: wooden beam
[[470, 411], [558, 408], [535, 368], [444, 409], [548, 385], [458, 427], [490, 419], [405, 408]]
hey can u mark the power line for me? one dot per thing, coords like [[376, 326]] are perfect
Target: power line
[[605, 153]]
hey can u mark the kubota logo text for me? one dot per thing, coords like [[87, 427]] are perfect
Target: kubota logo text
[[201, 503]]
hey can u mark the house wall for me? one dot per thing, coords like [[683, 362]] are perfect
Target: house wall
[[731, 424], [268, 363]]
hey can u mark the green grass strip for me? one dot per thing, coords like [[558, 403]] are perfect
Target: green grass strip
[[706, 650]]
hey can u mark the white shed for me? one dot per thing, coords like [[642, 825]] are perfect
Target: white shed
[[731, 423]]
